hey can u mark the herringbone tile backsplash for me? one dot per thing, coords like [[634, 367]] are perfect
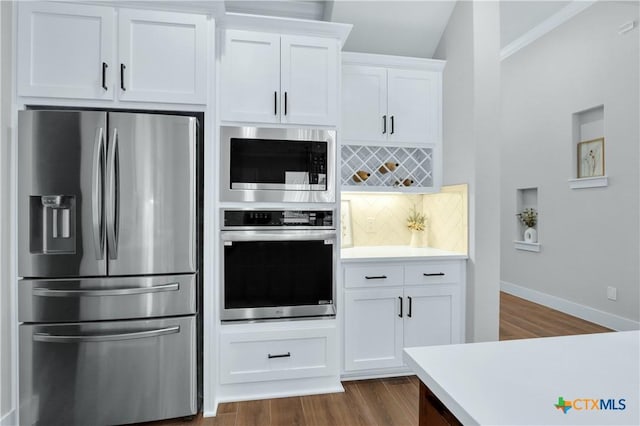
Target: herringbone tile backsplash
[[446, 214]]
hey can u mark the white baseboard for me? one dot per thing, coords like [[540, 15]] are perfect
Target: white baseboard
[[212, 413], [584, 312], [10, 419]]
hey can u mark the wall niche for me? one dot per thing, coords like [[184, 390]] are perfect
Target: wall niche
[[527, 198], [588, 149]]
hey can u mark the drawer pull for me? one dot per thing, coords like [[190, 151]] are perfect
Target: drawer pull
[[53, 338], [46, 292], [376, 277], [287, 355], [437, 274]]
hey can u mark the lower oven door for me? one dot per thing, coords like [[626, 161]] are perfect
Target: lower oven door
[[107, 373], [278, 274]]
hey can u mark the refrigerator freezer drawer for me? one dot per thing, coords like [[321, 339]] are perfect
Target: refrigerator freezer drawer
[[107, 373], [96, 299]]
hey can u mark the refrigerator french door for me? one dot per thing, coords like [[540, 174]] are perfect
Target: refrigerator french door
[[107, 256]]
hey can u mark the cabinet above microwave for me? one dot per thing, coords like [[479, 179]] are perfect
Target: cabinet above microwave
[[273, 78]]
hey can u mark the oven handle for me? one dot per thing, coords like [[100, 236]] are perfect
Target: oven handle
[[277, 235]]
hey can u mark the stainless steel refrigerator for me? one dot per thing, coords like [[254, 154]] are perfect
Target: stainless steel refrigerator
[[108, 265]]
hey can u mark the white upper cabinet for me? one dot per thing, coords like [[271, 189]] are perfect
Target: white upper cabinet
[[364, 103], [309, 80], [273, 78], [84, 52], [162, 56], [396, 101], [250, 77], [65, 50], [414, 106]]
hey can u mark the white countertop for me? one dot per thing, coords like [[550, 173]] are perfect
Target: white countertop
[[378, 253], [519, 382]]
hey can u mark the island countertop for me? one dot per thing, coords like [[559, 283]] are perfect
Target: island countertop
[[391, 253], [520, 382]]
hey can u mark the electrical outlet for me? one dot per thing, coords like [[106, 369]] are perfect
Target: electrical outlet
[[370, 227], [612, 293]]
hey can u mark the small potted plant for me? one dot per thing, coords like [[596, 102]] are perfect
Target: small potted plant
[[529, 218], [416, 223]]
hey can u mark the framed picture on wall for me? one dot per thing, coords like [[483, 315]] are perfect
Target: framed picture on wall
[[591, 158], [346, 231]]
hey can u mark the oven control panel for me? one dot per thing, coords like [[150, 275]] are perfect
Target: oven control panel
[[278, 218]]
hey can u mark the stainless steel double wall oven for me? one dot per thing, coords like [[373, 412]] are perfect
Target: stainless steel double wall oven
[[108, 260], [278, 260]]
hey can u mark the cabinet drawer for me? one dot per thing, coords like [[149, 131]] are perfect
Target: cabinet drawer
[[433, 273], [277, 355], [373, 275]]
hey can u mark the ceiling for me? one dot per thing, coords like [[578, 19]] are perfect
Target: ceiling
[[398, 27]]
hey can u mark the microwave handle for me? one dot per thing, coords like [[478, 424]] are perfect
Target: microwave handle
[[278, 236]]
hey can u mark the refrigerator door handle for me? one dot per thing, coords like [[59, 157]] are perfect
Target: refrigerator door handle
[[47, 292], [97, 194], [52, 338], [112, 194]]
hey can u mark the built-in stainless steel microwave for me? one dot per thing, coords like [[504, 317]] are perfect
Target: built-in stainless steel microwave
[[277, 165]]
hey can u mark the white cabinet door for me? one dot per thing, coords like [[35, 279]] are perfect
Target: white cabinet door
[[309, 80], [414, 106], [373, 329], [250, 80], [162, 57], [364, 104], [64, 50], [432, 315]]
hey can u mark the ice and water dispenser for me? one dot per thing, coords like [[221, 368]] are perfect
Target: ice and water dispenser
[[53, 224]]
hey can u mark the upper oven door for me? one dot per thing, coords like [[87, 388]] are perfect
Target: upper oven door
[[277, 165], [277, 274]]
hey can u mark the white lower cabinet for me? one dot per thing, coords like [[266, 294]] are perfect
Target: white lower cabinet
[[432, 316], [373, 329], [422, 306], [264, 360]]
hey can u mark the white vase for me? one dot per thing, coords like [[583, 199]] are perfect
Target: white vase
[[416, 239], [530, 235]]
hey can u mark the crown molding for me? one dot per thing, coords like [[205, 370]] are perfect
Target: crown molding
[[372, 59], [243, 21], [309, 9], [546, 26]]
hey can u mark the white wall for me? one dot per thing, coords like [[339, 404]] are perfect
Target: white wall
[[589, 237], [470, 44], [6, 282]]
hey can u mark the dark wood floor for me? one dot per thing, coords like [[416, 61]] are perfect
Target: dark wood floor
[[521, 319], [383, 402]]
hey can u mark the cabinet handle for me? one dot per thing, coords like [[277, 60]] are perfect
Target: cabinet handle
[[285, 103], [384, 124], [287, 355], [410, 306], [376, 277], [392, 124], [400, 314], [104, 75], [122, 67], [275, 103], [437, 274]]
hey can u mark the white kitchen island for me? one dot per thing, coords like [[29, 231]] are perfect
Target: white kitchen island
[[519, 382]]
